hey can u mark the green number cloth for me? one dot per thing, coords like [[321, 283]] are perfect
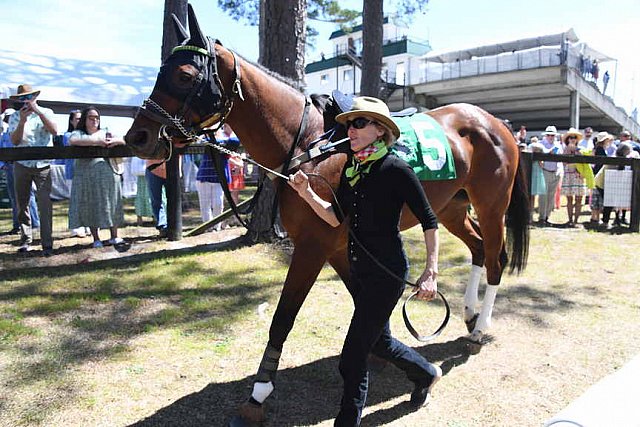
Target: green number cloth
[[425, 147]]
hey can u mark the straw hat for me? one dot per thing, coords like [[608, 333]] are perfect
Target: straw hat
[[603, 136], [572, 132], [550, 130], [373, 108], [25, 89]]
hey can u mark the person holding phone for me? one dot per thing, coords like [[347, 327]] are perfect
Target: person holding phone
[[96, 189], [32, 126]]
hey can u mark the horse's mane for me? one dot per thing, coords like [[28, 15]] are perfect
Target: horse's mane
[[286, 80]]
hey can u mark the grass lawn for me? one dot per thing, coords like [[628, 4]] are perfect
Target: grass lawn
[[174, 336]]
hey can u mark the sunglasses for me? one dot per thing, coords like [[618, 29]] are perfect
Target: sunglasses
[[358, 123], [27, 97]]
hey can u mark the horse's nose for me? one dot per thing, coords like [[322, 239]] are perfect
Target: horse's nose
[[136, 138]]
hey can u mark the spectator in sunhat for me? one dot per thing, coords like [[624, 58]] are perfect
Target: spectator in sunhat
[[32, 126], [552, 171], [573, 181]]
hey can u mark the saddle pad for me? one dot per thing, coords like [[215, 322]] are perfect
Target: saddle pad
[[425, 147]]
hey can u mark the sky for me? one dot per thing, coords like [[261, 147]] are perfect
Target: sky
[[130, 31]]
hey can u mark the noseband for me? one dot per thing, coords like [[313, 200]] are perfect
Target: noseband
[[209, 72]]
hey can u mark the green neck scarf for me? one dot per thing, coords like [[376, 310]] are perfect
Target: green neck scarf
[[359, 168]]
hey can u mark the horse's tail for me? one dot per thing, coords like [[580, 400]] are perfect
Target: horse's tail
[[517, 220]]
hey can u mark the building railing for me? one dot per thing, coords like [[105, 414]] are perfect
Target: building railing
[[519, 60]]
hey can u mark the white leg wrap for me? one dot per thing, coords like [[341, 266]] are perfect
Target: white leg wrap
[[471, 292], [484, 320], [261, 391]]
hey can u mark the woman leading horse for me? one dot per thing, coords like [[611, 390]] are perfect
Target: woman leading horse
[[202, 83]]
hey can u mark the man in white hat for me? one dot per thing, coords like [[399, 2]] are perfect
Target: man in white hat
[[7, 166], [552, 171], [33, 126]]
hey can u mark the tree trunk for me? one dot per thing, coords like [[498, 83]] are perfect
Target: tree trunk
[[282, 37], [174, 194], [372, 20], [282, 40]]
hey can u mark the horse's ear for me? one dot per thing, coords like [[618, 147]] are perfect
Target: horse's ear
[[181, 32], [197, 38]]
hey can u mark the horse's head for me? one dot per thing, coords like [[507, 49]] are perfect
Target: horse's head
[[188, 96]]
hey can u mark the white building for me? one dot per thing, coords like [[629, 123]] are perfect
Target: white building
[[341, 70]]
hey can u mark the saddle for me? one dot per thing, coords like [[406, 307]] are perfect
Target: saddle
[[336, 135]]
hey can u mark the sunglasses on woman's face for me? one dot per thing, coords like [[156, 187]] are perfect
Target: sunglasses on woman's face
[[358, 123]]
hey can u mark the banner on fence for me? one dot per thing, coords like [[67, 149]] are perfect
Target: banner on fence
[[617, 188]]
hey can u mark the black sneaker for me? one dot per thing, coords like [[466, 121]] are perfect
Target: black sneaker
[[422, 392], [24, 247]]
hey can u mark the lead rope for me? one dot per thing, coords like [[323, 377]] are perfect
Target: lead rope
[[405, 316]]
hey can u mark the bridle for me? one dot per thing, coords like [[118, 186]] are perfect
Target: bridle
[[208, 74]]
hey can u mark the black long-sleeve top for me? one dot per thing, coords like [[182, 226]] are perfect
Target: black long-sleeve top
[[599, 151], [374, 205]]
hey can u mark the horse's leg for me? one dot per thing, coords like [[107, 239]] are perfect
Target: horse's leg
[[491, 222], [457, 220], [306, 263]]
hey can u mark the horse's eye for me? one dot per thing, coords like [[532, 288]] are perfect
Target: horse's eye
[[185, 78]]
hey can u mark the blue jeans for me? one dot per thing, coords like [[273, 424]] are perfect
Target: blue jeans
[[33, 207], [156, 186], [375, 295]]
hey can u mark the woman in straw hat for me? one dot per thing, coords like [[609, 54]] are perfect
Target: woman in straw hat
[[573, 187], [374, 187]]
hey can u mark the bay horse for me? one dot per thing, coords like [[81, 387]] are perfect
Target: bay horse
[[203, 84]]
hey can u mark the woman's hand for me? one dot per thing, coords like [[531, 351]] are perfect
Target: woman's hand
[[300, 182], [112, 142], [427, 285]]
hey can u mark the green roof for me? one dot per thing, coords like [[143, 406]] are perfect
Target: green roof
[[355, 29], [326, 64]]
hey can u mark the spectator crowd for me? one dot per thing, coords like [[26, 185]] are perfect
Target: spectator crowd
[[580, 184], [96, 194], [96, 184]]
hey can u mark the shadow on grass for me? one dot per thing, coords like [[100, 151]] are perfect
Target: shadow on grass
[[131, 261], [297, 400], [101, 318]]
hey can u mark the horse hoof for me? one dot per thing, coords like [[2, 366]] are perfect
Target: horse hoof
[[250, 414], [471, 323], [473, 347]]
